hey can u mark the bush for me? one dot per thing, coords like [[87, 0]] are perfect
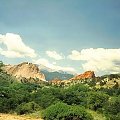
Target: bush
[[62, 111], [96, 100], [25, 108], [113, 106], [45, 97], [75, 94], [8, 101], [118, 116], [5, 79], [113, 117]]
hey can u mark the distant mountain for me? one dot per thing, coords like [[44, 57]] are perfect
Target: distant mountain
[[29, 70], [50, 75], [43, 67]]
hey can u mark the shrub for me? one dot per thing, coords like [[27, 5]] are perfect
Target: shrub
[[8, 101], [27, 108], [118, 116], [62, 111], [45, 97], [113, 106], [96, 100], [75, 94]]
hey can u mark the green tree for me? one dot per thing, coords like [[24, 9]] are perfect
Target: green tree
[[113, 106], [46, 97], [97, 100], [75, 94]]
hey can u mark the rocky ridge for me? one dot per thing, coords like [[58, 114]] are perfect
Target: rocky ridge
[[85, 75], [25, 70]]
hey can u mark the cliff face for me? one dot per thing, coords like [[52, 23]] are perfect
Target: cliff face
[[26, 70], [86, 75]]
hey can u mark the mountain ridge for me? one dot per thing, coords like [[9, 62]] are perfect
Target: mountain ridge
[[24, 70]]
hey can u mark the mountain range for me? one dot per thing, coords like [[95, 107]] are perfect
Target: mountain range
[[30, 70], [32, 73]]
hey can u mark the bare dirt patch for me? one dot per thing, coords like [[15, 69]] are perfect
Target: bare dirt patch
[[15, 117]]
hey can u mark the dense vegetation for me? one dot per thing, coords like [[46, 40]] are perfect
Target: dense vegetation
[[58, 103]]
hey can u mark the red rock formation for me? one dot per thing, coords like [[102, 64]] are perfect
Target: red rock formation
[[86, 75]]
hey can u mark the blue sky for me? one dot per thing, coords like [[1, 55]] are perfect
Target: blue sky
[[62, 26]]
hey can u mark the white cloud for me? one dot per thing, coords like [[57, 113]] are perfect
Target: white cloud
[[54, 67], [75, 55], [15, 46], [11, 54], [55, 55], [100, 59], [54, 63]]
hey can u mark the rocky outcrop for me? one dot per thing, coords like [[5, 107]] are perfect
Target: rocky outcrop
[[86, 75], [25, 70]]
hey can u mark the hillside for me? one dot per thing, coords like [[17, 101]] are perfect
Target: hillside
[[65, 99]]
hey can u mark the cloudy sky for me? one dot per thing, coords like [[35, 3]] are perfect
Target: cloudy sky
[[70, 35]]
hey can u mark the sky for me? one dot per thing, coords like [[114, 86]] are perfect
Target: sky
[[69, 35]]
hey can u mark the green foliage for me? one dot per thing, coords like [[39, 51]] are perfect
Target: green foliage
[[5, 79], [118, 116], [46, 96], [79, 88], [113, 106], [24, 87], [111, 76], [112, 91], [76, 113], [97, 100], [7, 99], [26, 108], [53, 111], [113, 117], [11, 98], [92, 83], [97, 115], [75, 94], [62, 111], [13, 93], [1, 64], [70, 97], [116, 86]]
